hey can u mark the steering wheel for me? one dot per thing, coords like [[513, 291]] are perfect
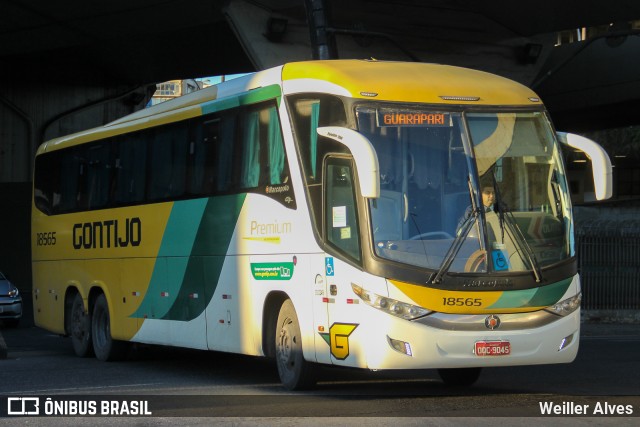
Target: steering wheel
[[432, 235], [475, 261]]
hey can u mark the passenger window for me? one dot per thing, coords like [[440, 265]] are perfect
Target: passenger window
[[262, 149], [98, 176], [73, 169], [250, 169], [168, 162], [131, 167], [202, 167], [308, 112], [225, 144], [230, 151]]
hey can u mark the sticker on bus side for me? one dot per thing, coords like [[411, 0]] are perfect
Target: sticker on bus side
[[500, 260], [338, 339], [329, 266], [272, 270]]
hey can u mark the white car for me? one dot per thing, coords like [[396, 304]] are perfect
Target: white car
[[10, 302]]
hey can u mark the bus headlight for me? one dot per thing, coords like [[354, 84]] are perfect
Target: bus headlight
[[390, 305], [567, 306]]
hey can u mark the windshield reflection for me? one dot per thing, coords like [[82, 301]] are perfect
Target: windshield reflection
[[516, 154]]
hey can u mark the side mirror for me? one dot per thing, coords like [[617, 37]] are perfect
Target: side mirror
[[364, 155], [600, 162]]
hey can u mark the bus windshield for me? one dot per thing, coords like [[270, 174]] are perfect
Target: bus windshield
[[467, 192]]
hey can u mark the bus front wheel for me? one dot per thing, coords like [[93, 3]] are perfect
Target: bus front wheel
[[295, 372], [105, 347], [80, 328], [459, 376]]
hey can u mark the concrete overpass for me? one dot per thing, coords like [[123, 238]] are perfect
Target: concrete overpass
[[67, 66]]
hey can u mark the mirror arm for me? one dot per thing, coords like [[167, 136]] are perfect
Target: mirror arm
[[600, 162], [364, 155]]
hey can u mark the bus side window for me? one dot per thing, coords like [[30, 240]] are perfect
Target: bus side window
[[72, 169], [262, 155], [202, 168], [276, 159], [340, 207], [46, 188], [168, 162], [250, 154], [98, 172], [226, 169], [131, 166], [308, 112], [211, 154]]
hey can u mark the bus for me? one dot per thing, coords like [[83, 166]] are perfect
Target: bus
[[318, 213]]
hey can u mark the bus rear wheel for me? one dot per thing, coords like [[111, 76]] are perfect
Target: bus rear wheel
[[105, 347], [80, 328], [459, 377], [295, 372]]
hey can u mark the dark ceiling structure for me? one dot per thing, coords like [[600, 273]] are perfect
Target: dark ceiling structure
[[147, 41], [132, 42], [134, 39]]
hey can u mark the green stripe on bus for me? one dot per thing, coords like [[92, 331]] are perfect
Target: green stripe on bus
[[253, 97], [536, 297], [171, 262], [190, 259], [551, 294], [210, 248]]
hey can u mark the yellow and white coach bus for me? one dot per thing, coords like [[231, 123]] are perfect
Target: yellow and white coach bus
[[366, 214]]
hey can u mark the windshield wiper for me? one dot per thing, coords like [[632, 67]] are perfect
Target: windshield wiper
[[517, 237], [522, 246], [461, 235]]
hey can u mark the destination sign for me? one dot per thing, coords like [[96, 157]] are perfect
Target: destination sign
[[413, 118]]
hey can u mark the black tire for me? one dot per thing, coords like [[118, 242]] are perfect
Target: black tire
[[295, 372], [459, 377], [105, 348], [80, 328]]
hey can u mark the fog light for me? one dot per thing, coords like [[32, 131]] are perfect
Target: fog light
[[400, 346], [565, 342]]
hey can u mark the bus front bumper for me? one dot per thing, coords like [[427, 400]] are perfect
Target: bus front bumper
[[414, 345]]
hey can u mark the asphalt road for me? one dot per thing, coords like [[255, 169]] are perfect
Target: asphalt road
[[235, 390]]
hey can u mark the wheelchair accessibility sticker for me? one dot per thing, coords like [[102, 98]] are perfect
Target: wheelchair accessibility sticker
[[500, 260], [328, 261]]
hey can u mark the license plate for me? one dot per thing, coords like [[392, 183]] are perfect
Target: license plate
[[492, 348]]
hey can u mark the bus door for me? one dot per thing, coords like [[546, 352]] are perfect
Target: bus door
[[342, 234]]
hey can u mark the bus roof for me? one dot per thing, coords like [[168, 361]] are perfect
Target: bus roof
[[366, 79], [414, 82]]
